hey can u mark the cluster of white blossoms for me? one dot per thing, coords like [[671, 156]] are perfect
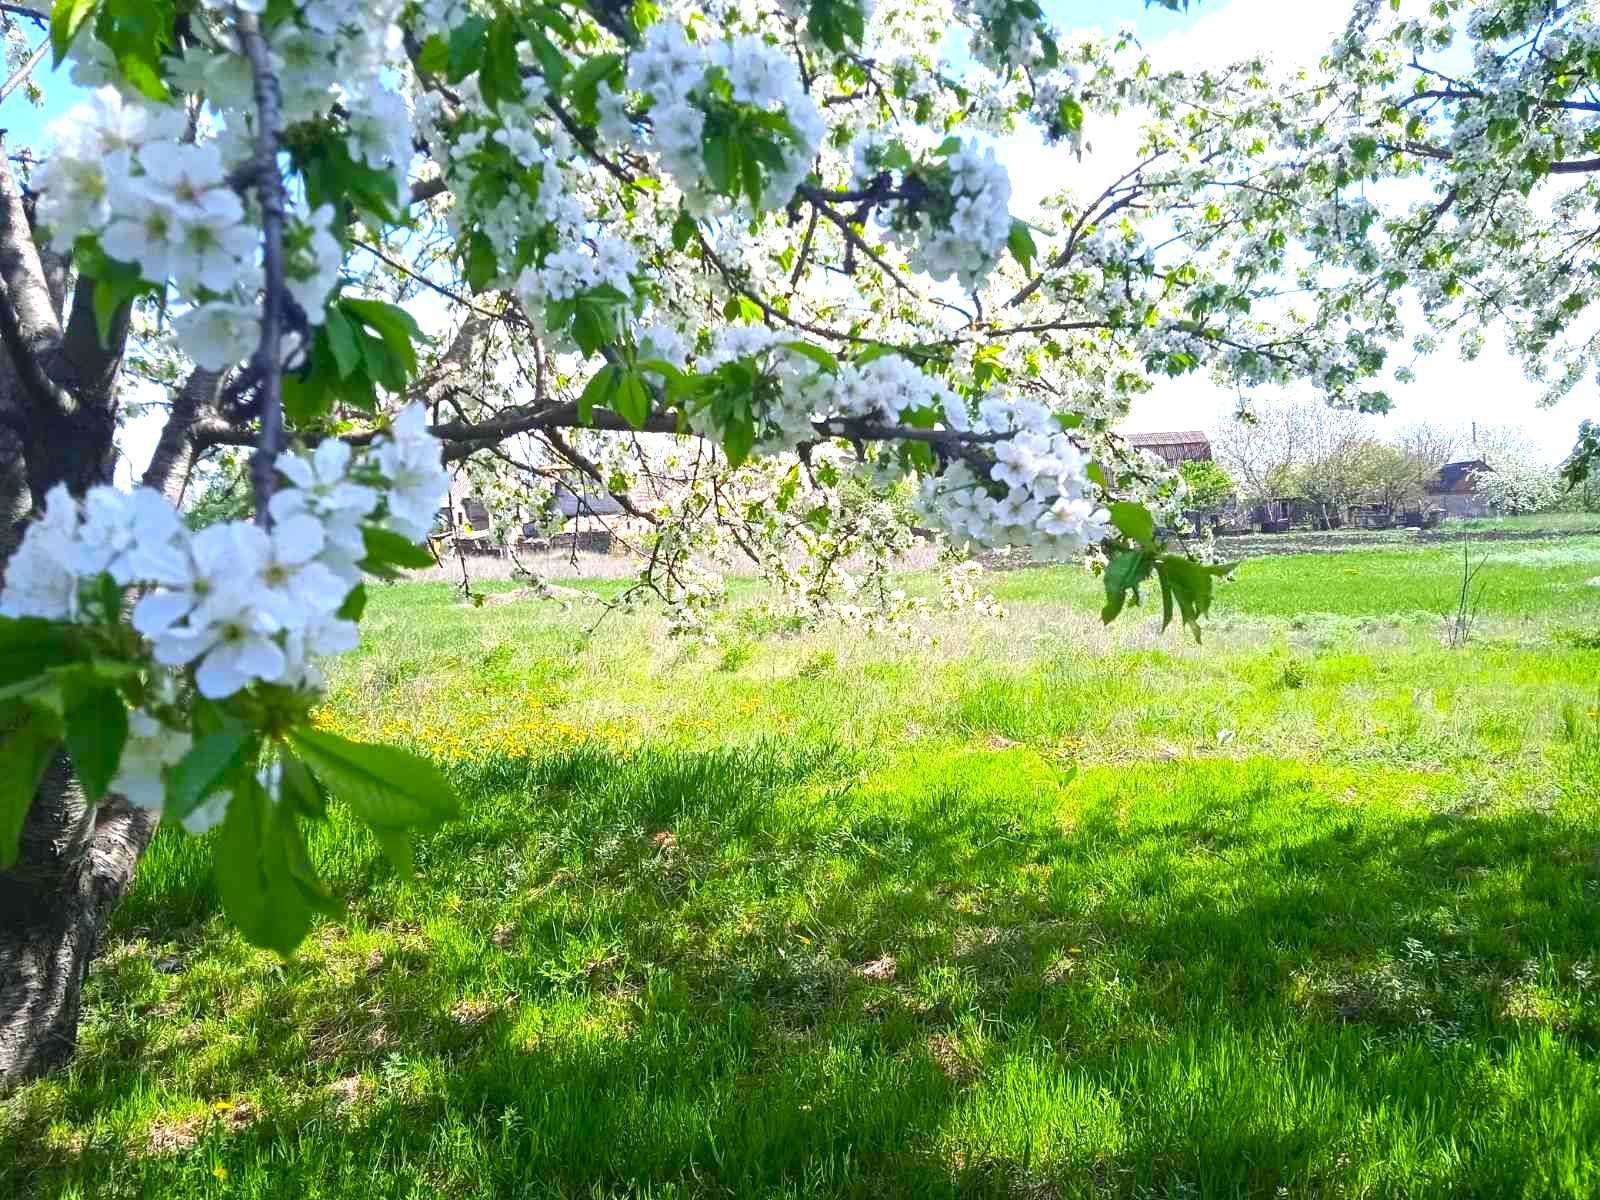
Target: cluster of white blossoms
[[574, 270], [1007, 38], [159, 191], [1047, 508], [962, 229], [675, 75], [235, 603], [1047, 504], [970, 243]]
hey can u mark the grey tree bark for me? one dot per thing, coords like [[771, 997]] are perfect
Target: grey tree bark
[[58, 413]]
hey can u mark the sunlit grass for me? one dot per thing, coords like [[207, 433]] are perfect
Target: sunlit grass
[[1030, 908]]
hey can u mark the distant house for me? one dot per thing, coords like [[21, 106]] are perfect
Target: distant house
[[1189, 445], [1455, 488], [588, 501]]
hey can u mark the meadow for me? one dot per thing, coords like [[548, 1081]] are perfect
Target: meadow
[[1013, 907]]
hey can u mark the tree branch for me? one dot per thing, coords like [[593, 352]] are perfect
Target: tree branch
[[174, 449], [26, 69], [267, 366], [28, 321]]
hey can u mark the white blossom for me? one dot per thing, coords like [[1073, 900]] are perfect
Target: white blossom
[[150, 749]]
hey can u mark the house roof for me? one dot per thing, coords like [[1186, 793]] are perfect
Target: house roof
[[1184, 437], [1458, 476], [589, 504], [1184, 445]]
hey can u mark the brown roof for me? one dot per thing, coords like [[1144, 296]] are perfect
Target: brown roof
[[1186, 437]]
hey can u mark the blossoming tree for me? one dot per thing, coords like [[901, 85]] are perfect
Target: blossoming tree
[[777, 240]]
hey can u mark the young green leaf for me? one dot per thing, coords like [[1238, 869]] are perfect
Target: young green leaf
[[251, 867], [632, 401], [1021, 245], [1135, 522], [1124, 573], [387, 550], [341, 335], [29, 647], [96, 730], [209, 762], [66, 18], [816, 354], [597, 393], [683, 230], [387, 787], [28, 737]]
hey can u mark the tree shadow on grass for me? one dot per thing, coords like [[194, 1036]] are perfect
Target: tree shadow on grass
[[1212, 977]]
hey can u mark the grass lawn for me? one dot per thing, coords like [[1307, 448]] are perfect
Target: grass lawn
[[1023, 908]]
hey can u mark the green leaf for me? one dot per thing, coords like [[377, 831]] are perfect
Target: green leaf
[[583, 85], [203, 769], [482, 264], [739, 440], [115, 285], [816, 354], [723, 164], [597, 394], [96, 730], [254, 879], [683, 230], [342, 342], [468, 42], [500, 73], [301, 789], [29, 647], [29, 739], [314, 893], [66, 18], [143, 72], [1124, 573], [1192, 586], [394, 325], [1021, 245], [435, 56], [632, 401], [354, 604], [387, 787], [1135, 521], [387, 549], [674, 376], [396, 846], [551, 61]]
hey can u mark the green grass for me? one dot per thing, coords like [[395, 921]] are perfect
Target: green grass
[[1019, 909]]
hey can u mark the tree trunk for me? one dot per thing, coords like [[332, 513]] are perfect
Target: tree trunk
[[58, 413], [75, 865]]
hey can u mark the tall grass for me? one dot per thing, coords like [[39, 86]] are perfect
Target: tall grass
[[1034, 909]]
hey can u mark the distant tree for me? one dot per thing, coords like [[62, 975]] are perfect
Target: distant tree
[[1400, 471], [1581, 471], [1430, 445], [1521, 478], [1209, 486], [1346, 472], [1268, 449], [1520, 484]]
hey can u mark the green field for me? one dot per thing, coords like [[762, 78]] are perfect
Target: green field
[[1016, 908]]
